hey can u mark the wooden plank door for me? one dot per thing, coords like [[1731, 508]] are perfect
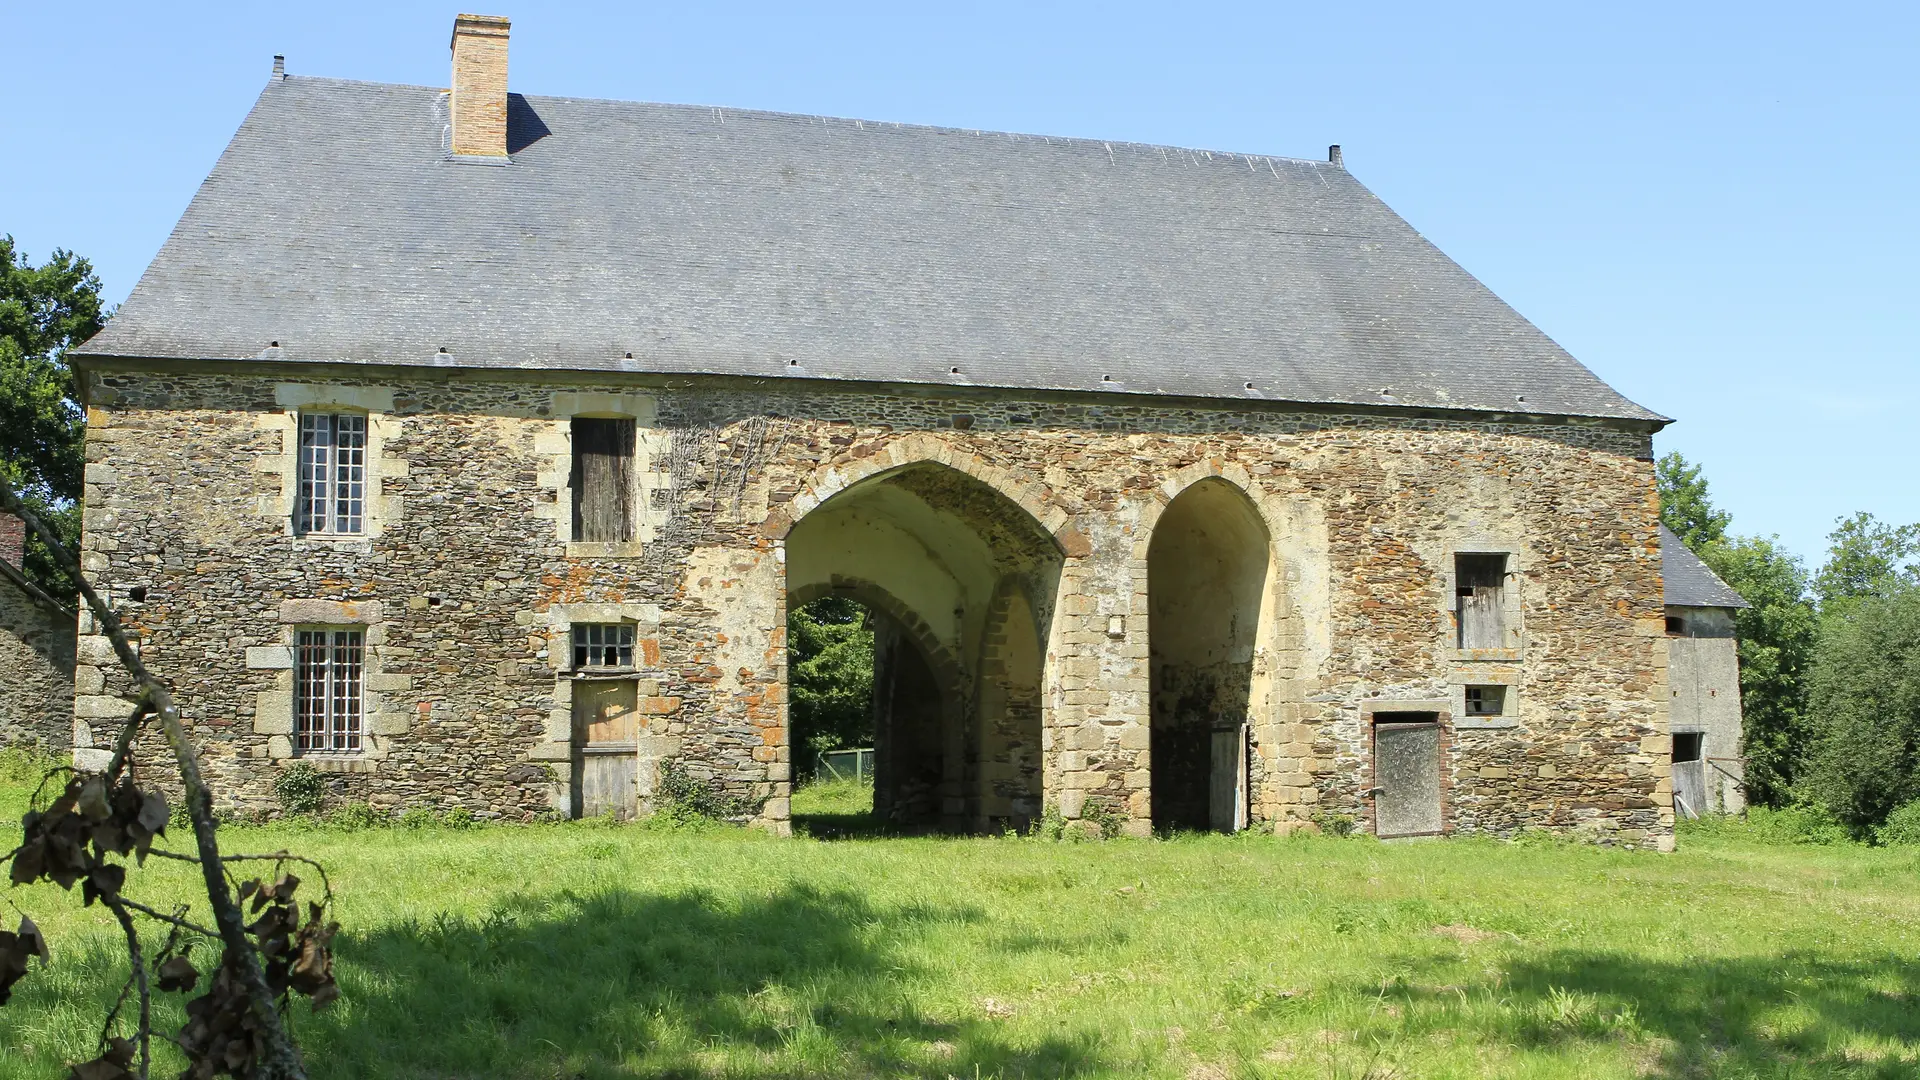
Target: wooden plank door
[[1227, 780], [606, 767]]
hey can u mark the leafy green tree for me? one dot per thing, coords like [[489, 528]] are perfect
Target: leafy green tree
[[1778, 634], [44, 311], [830, 675], [1865, 696], [1684, 504], [1866, 557]]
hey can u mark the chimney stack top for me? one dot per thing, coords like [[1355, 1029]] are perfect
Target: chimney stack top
[[1334, 156], [478, 103]]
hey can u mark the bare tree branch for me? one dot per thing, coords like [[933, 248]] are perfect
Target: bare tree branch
[[119, 909], [171, 920], [281, 1059]]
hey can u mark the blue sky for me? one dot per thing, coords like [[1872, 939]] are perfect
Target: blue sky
[[1712, 205]]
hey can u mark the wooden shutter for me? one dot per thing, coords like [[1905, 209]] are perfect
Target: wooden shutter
[[1481, 587], [602, 480]]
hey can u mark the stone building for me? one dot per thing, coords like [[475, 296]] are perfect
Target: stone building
[[473, 448], [36, 653], [1703, 672]]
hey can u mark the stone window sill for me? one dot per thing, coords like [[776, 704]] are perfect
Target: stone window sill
[[358, 543], [336, 763], [1469, 656], [620, 549], [1485, 723]]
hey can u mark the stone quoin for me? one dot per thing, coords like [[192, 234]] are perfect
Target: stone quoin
[[474, 448]]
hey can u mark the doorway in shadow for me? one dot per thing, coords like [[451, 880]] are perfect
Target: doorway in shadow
[[1206, 573]]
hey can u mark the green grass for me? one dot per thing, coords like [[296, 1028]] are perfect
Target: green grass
[[586, 950]]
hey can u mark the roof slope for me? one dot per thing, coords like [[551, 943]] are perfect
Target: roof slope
[[1690, 582], [705, 240]]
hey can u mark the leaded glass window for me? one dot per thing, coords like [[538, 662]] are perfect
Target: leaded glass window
[[327, 669], [333, 473]]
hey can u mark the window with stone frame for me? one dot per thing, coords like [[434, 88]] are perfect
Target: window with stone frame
[[1480, 581], [329, 707], [603, 646], [603, 480], [1486, 700], [332, 498]]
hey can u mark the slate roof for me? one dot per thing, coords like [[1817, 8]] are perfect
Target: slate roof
[[706, 240], [1690, 582]]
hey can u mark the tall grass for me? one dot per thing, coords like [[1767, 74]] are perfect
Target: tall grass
[[583, 950]]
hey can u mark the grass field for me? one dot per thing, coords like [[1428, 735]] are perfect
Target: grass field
[[585, 950]]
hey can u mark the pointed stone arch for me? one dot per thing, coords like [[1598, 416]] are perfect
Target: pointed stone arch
[[946, 552], [1290, 647], [1022, 490]]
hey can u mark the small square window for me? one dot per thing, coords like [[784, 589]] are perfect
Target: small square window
[[1676, 625], [1686, 745], [603, 645], [1486, 701]]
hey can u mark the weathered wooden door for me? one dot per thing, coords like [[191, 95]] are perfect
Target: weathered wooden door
[[1690, 788], [606, 767], [1406, 776], [1227, 786]]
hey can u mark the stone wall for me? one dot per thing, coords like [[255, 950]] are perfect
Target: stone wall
[[1704, 681], [36, 667], [188, 490]]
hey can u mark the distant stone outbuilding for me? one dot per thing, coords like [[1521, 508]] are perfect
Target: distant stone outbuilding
[[474, 447], [37, 636], [1703, 673]]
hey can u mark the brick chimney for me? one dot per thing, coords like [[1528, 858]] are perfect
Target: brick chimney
[[479, 104], [13, 538]]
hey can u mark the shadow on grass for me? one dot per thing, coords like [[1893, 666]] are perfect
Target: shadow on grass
[[795, 982], [1790, 1015], [864, 825]]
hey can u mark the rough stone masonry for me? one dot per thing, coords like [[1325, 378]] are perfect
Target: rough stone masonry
[[466, 588], [473, 447]]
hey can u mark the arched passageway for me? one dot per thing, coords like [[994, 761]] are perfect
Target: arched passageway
[[1206, 577], [961, 581]]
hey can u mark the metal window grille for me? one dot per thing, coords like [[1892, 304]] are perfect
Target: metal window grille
[[333, 473], [1486, 700], [603, 645], [328, 667]]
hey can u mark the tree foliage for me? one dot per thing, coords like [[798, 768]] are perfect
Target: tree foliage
[[1865, 696], [830, 675], [1684, 503], [44, 311], [1777, 638], [1866, 558]]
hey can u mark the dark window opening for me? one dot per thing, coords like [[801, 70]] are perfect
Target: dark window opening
[[1686, 745], [1479, 595], [602, 480], [1486, 700], [1676, 625], [603, 645]]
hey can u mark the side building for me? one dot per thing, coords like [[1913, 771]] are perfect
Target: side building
[[36, 654], [473, 448], [1703, 672]]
